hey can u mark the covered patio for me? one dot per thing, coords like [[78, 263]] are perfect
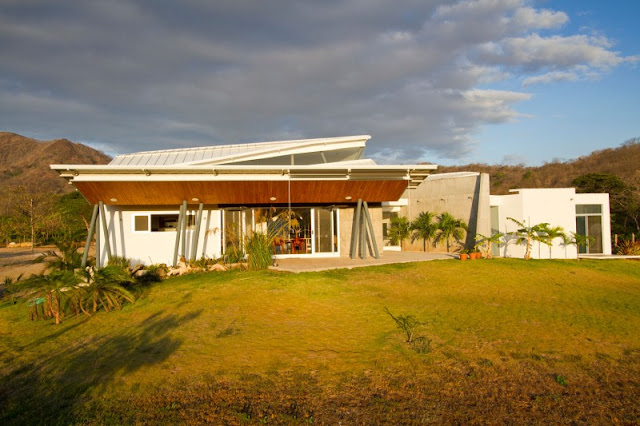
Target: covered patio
[[325, 264]]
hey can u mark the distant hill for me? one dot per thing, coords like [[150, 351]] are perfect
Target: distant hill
[[623, 162], [25, 161]]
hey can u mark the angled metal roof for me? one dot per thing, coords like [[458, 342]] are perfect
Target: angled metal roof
[[227, 154]]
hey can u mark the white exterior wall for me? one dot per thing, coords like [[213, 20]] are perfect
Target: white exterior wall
[[157, 247], [555, 206]]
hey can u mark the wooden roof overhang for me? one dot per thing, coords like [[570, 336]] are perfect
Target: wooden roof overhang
[[233, 185]]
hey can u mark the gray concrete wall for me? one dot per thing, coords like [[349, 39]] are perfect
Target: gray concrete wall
[[466, 197]]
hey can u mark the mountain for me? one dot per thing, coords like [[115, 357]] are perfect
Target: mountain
[[623, 161], [25, 161]]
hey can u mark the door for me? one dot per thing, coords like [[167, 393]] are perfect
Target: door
[[325, 230]]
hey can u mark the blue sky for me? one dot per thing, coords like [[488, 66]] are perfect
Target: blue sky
[[445, 81]]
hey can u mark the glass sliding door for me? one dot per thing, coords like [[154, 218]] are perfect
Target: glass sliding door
[[325, 236], [589, 224]]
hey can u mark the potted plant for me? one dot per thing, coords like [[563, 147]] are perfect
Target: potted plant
[[478, 253], [464, 254]]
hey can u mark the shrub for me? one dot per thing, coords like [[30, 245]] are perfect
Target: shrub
[[259, 248], [628, 247]]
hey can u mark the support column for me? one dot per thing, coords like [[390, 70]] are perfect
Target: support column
[[196, 233], [355, 230], [185, 216], [92, 227], [367, 216], [178, 233], [103, 220]]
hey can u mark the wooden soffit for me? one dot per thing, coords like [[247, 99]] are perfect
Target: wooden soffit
[[241, 192]]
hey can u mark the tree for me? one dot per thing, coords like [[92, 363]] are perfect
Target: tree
[[105, 288], [425, 228], [66, 258], [399, 230], [624, 199], [529, 234], [51, 294], [450, 228], [482, 240], [549, 234], [30, 205]]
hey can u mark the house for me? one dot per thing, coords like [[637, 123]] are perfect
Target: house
[[584, 214], [153, 207], [158, 206]]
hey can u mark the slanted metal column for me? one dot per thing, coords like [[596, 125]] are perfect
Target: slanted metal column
[[178, 233], [92, 227], [355, 230], [98, 248], [184, 230], [367, 215], [196, 233], [103, 220], [363, 236]]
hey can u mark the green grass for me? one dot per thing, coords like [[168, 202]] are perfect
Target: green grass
[[547, 341]]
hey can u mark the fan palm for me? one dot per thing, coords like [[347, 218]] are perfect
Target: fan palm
[[425, 228], [450, 228]]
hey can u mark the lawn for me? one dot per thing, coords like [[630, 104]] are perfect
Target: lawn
[[505, 340]]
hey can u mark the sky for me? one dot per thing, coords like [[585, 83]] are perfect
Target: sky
[[442, 81]]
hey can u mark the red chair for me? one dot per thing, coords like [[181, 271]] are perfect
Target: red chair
[[298, 245], [278, 243]]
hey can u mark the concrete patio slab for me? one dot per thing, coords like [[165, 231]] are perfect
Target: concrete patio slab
[[324, 264]]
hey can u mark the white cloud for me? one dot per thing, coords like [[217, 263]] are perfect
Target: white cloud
[[413, 73]]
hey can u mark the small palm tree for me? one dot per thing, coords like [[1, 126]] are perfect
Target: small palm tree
[[425, 228], [450, 228], [575, 239], [529, 234], [66, 258], [549, 234], [399, 230], [51, 294], [483, 240], [104, 288]]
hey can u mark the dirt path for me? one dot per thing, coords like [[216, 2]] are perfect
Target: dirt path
[[19, 260]]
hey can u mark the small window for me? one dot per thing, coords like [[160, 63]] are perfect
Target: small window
[[588, 209], [141, 223], [169, 222]]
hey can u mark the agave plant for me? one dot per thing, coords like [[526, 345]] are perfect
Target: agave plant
[[104, 289]]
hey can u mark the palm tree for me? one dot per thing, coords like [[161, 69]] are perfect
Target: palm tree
[[104, 288], [550, 234], [51, 294], [425, 228], [66, 258], [450, 228], [482, 240], [529, 234], [575, 239], [399, 230]]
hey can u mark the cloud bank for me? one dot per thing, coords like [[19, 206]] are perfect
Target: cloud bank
[[129, 75]]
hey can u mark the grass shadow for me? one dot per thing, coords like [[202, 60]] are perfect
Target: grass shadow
[[54, 390]]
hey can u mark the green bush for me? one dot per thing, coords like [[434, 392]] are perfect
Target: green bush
[[259, 248]]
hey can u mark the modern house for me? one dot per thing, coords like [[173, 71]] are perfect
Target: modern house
[[158, 206], [153, 207], [584, 214]]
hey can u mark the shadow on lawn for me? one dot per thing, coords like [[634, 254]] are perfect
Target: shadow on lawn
[[54, 390]]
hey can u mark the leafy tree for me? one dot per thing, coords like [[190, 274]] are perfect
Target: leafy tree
[[529, 234], [30, 206], [425, 228], [483, 240], [450, 228], [624, 199], [399, 230]]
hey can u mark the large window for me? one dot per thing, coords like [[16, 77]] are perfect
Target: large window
[[589, 224]]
